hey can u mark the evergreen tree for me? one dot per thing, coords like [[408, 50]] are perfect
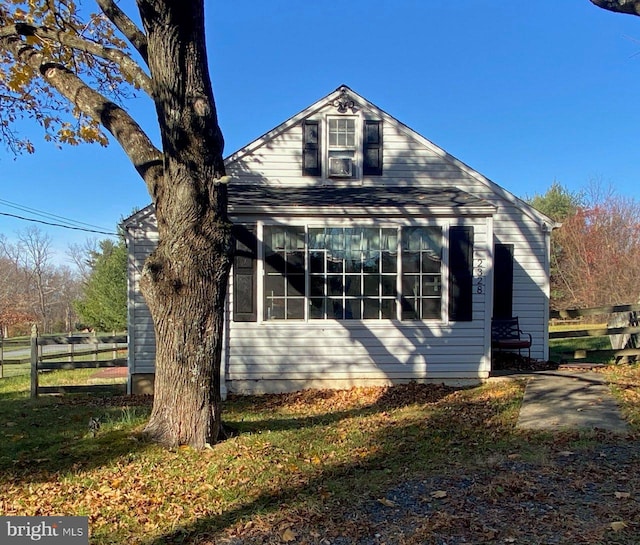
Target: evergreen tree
[[103, 305]]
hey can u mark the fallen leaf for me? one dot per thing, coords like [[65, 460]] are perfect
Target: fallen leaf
[[388, 503], [623, 495], [618, 525], [565, 453], [439, 494], [288, 535]]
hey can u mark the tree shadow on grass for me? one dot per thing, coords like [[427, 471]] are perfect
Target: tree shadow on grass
[[448, 430], [51, 434]]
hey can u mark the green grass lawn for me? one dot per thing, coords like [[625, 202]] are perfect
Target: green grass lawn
[[563, 349], [295, 457]]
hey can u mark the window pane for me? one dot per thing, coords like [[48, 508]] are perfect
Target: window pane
[[316, 262], [344, 279], [410, 262], [431, 286], [342, 132], [274, 309], [335, 285], [352, 309], [371, 239], [334, 265], [274, 262], [316, 286], [274, 285], [389, 262], [295, 262], [411, 285], [371, 309], [388, 285], [430, 309], [336, 308], [316, 308], [295, 284], [430, 263], [372, 284], [409, 309], [295, 309], [354, 263], [352, 286], [371, 262], [388, 308], [421, 272]]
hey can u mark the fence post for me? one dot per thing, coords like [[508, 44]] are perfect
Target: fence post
[[95, 346], [34, 361], [1, 354]]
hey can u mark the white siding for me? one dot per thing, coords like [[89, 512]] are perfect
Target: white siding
[[276, 356]]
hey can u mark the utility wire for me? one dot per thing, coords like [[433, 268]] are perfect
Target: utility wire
[[59, 225], [48, 215]]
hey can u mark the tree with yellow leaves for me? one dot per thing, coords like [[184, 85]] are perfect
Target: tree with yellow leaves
[[71, 71]]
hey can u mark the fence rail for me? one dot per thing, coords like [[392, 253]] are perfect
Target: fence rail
[[96, 345], [627, 332]]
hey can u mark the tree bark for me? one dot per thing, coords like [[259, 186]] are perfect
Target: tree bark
[[185, 280]]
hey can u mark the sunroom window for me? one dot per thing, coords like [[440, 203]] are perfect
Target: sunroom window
[[361, 273], [421, 273], [352, 273], [284, 279]]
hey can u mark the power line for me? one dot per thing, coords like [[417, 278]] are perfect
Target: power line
[[59, 225], [49, 216]]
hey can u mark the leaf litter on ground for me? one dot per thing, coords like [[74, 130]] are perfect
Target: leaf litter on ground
[[407, 464]]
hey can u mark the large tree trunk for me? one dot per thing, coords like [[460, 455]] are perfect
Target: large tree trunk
[[185, 280]]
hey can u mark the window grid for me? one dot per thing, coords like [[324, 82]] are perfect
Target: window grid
[[421, 273], [352, 273], [342, 133], [284, 280]]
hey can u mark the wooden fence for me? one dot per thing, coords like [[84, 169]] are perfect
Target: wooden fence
[[626, 326], [75, 350]]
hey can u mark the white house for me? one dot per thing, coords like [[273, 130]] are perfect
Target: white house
[[365, 255]]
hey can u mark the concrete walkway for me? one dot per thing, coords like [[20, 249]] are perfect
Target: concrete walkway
[[558, 400]]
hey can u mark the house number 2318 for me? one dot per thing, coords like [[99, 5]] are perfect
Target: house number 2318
[[479, 270]]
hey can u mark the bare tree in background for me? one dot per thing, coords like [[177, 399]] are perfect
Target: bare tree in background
[[35, 253]]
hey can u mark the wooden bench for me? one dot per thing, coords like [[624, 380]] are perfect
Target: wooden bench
[[507, 335]]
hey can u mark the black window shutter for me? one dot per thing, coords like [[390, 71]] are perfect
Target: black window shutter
[[245, 295], [460, 273], [503, 281], [311, 161], [372, 148]]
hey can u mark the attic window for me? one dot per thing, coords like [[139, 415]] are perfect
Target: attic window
[[342, 144], [342, 133], [349, 148]]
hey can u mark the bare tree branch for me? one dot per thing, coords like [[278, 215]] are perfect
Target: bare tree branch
[[631, 7], [146, 158], [128, 67], [125, 25]]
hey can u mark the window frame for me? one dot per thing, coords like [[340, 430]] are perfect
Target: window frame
[[351, 152], [310, 223]]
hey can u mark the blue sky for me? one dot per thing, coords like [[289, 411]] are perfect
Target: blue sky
[[524, 92]]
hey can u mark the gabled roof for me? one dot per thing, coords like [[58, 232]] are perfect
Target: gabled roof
[[274, 196], [362, 103]]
